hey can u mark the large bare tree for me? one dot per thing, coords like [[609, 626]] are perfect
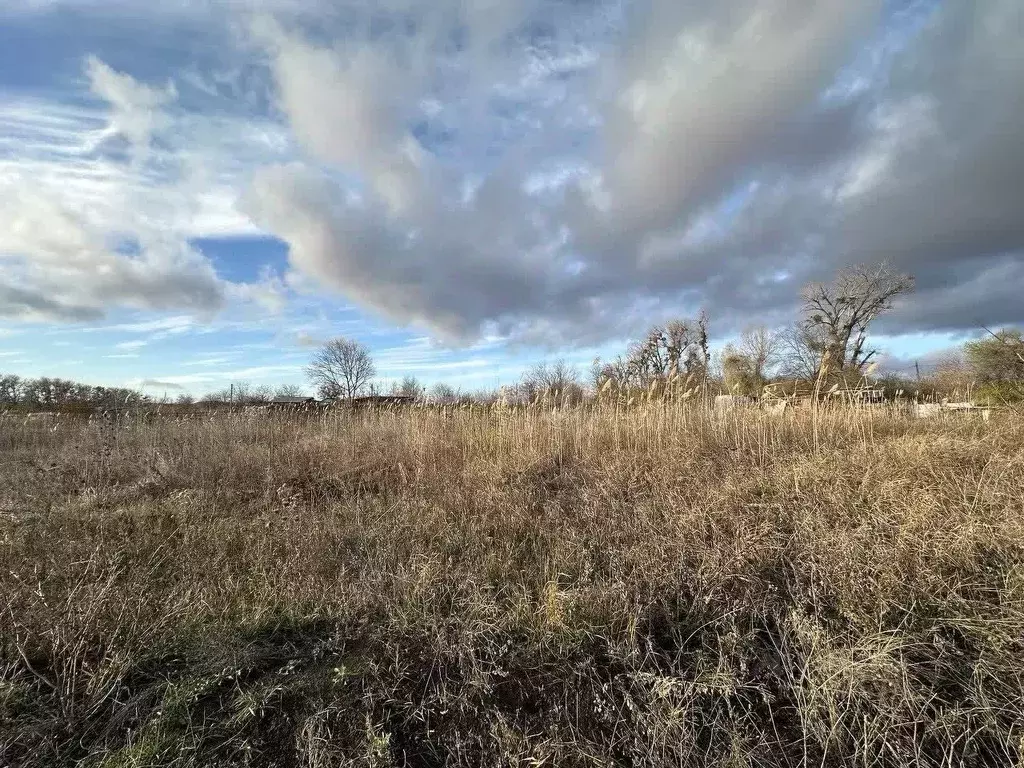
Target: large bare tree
[[839, 313], [341, 368]]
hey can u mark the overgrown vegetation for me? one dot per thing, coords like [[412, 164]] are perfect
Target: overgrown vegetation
[[477, 586]]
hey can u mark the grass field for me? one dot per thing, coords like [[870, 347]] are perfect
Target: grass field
[[663, 586]]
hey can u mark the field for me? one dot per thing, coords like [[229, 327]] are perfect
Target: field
[[663, 586]]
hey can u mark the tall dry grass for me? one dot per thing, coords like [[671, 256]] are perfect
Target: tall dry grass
[[657, 585]]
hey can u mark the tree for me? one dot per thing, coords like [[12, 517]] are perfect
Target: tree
[[997, 357], [801, 349], [245, 392], [678, 347], [838, 314], [951, 376], [184, 399], [443, 393], [219, 396], [10, 389], [558, 378], [341, 368], [746, 367], [762, 348], [288, 390], [408, 387], [739, 374], [615, 371]]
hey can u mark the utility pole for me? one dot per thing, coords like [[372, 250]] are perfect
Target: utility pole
[[231, 397], [917, 370]]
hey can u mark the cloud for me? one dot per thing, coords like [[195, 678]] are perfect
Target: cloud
[[84, 232], [164, 326], [307, 340], [558, 172], [225, 377], [708, 95], [949, 207], [131, 344], [703, 96], [156, 384], [68, 267], [734, 152], [32, 305], [136, 108], [210, 361]]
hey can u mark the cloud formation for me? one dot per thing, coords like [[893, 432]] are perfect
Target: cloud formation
[[558, 171], [735, 150], [84, 232], [135, 108]]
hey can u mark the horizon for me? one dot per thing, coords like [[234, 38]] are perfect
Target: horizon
[[202, 193]]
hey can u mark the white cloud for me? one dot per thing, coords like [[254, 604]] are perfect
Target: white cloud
[[168, 325], [136, 108], [84, 232], [210, 361], [707, 94], [538, 171], [257, 372]]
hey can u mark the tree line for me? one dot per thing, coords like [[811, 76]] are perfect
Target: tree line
[[829, 342], [53, 393]]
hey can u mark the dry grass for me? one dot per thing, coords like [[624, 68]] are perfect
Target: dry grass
[[657, 586]]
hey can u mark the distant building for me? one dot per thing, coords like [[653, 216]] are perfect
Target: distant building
[[281, 402], [379, 400]]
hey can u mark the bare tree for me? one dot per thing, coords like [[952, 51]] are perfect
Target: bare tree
[[408, 387], [615, 371], [245, 392], [801, 349], [443, 393], [341, 368], [11, 389], [264, 393], [559, 378], [839, 313], [288, 390], [762, 348], [678, 347], [952, 375]]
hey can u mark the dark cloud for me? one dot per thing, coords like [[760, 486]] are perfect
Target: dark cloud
[[25, 304], [949, 207], [716, 175], [677, 155]]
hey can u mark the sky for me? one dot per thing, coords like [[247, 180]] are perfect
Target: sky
[[200, 192]]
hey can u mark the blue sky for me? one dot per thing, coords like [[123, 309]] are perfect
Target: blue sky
[[195, 193]]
